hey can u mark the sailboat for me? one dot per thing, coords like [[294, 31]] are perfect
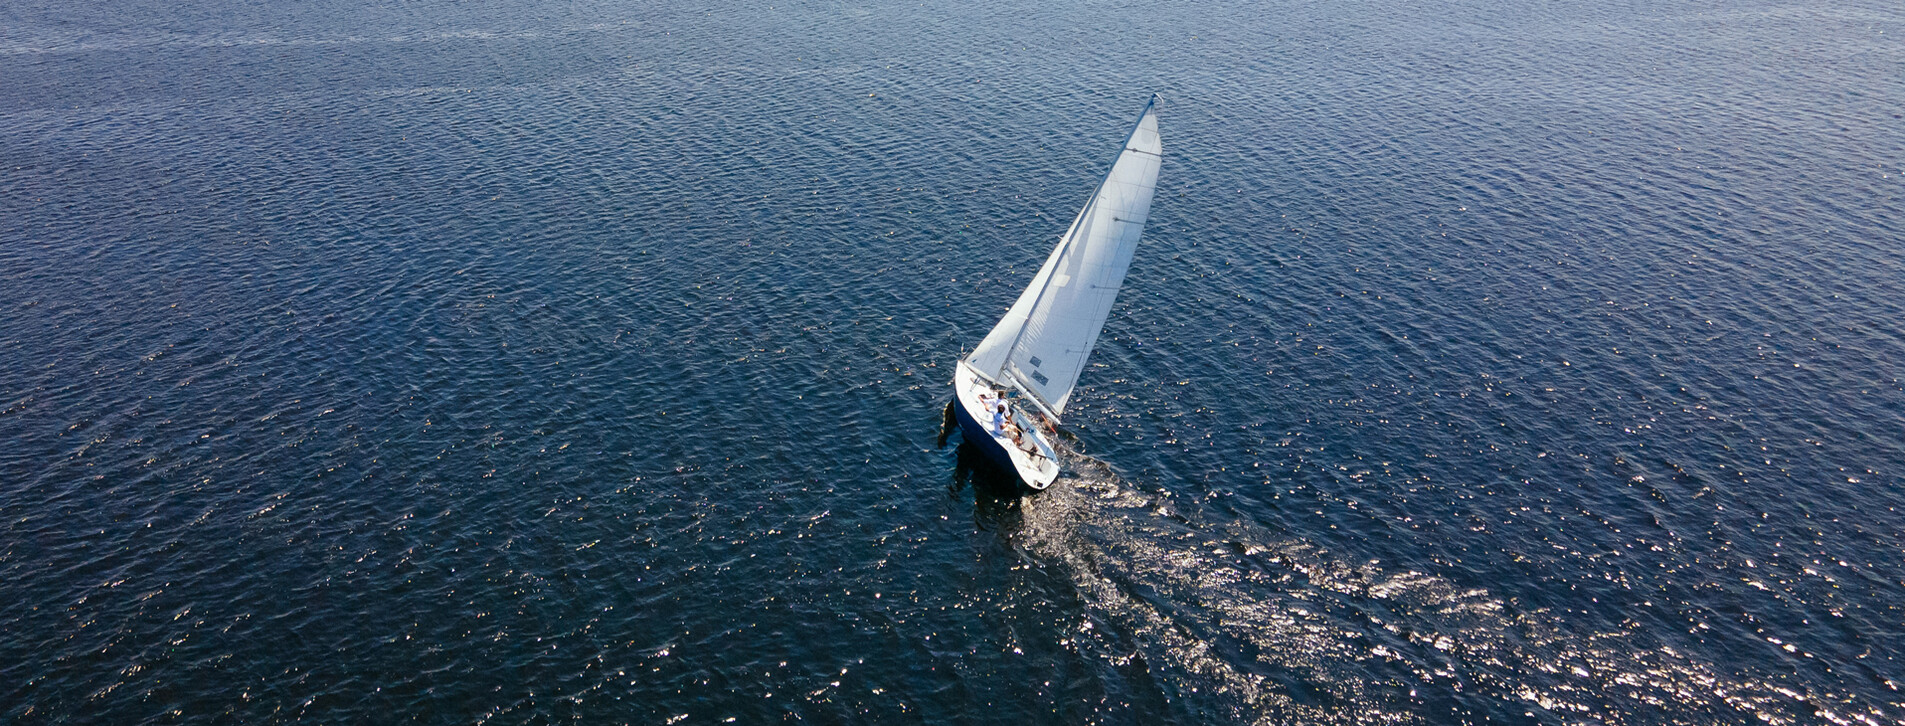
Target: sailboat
[[1010, 392]]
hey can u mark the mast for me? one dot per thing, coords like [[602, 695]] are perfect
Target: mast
[[1063, 245]]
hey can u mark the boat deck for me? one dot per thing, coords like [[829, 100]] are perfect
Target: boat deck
[[1036, 467]]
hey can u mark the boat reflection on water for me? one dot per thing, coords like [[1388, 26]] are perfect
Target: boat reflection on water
[[997, 499]]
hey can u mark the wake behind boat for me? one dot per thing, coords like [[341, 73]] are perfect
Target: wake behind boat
[[1010, 391]]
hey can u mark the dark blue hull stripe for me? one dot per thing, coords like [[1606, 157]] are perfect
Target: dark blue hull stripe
[[982, 440]]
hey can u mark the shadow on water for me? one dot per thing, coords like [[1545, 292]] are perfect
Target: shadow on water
[[997, 497], [947, 425], [997, 502]]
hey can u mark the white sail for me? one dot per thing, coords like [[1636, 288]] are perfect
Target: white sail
[[1042, 343]]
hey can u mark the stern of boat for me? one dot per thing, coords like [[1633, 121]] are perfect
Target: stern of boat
[[1036, 472]]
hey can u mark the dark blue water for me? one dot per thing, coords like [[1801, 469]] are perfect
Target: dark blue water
[[503, 362]]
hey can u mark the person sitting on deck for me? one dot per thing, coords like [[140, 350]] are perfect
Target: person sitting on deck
[[1024, 442], [999, 416]]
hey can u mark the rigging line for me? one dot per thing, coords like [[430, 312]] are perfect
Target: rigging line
[[1070, 238], [1019, 383]]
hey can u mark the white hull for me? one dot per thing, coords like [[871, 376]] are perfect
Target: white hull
[[1037, 469]]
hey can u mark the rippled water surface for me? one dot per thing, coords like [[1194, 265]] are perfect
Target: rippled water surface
[[504, 362]]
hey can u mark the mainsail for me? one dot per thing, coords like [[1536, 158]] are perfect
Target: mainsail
[[1042, 343]]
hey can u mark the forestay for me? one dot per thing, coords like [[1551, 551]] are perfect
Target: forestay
[[1044, 340]]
